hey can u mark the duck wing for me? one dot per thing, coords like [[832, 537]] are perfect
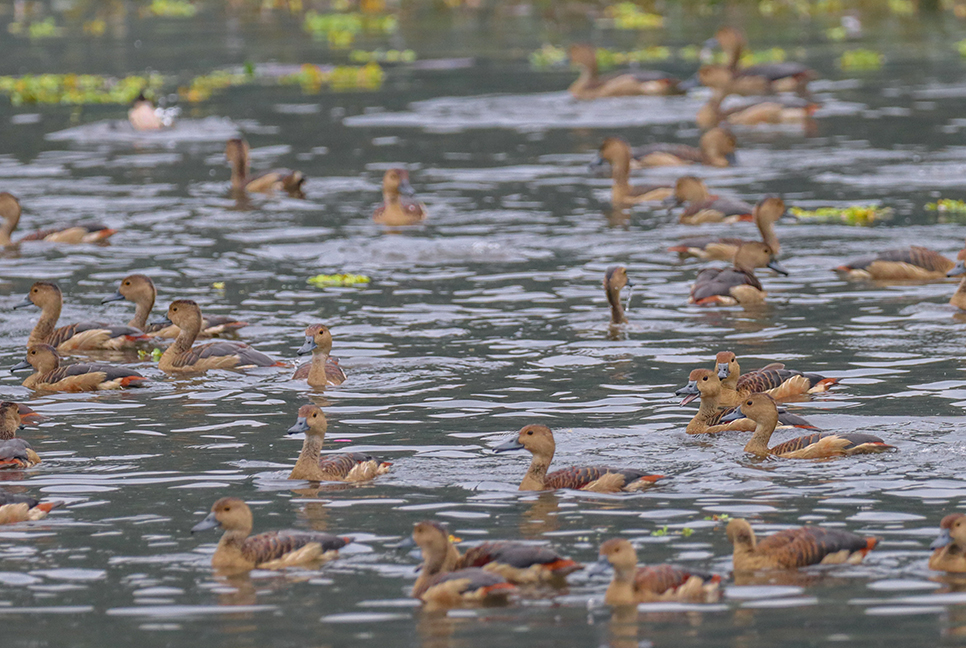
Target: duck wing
[[517, 555], [914, 255], [810, 545], [340, 465], [64, 333], [247, 356], [713, 282], [682, 151], [662, 578], [469, 581], [272, 545]]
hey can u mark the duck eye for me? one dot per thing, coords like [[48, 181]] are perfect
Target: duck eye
[[705, 378], [748, 403], [529, 432]]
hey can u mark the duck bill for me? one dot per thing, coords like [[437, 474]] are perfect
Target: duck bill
[[733, 415], [599, 167], [161, 321], [670, 202], [406, 189], [406, 543], [301, 425], [208, 523], [777, 267], [509, 446], [723, 371], [958, 269], [308, 347], [689, 391], [942, 540], [599, 568], [117, 296], [20, 366], [24, 303]]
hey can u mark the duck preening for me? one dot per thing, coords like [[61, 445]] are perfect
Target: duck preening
[[949, 548], [794, 548], [590, 85], [237, 152], [399, 204], [50, 376], [738, 284], [313, 466], [71, 234], [323, 369]]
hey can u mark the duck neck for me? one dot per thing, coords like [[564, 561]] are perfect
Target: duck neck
[[141, 312], [620, 174], [187, 337], [434, 563], [621, 588], [239, 172], [317, 368], [616, 309], [708, 408], [6, 229], [537, 472], [767, 228], [390, 196], [587, 79], [44, 329], [229, 549], [307, 466], [758, 444]]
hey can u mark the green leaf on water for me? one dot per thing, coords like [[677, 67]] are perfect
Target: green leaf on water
[[324, 280]]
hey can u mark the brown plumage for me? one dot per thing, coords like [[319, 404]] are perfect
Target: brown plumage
[[617, 153], [538, 440], [311, 465], [589, 85], [949, 548], [82, 336], [139, 288], [15, 453], [794, 548], [29, 416], [703, 207], [759, 79], [614, 279], [773, 379], [399, 206], [632, 584], [77, 233], [738, 284], [269, 182], [912, 263], [50, 376], [323, 369], [182, 358], [20, 508], [239, 551], [764, 215], [715, 148], [773, 110]]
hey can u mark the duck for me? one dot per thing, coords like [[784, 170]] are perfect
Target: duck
[[773, 379], [269, 182], [913, 263], [82, 336], [15, 453], [399, 205], [715, 148], [708, 420], [182, 358], [959, 297], [614, 279], [21, 508], [949, 548], [139, 288], [50, 376], [765, 214], [238, 550], [703, 207], [29, 416], [538, 441], [794, 548], [517, 562], [632, 584], [74, 234], [589, 85], [764, 78], [761, 408], [323, 370], [617, 153], [771, 110], [311, 466], [738, 284], [143, 114]]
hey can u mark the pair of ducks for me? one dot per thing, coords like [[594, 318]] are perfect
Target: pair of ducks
[[766, 78]]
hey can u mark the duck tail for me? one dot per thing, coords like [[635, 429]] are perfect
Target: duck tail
[[870, 544], [564, 565], [134, 381], [823, 385], [652, 478], [105, 233], [680, 249], [744, 218], [499, 588], [47, 507]]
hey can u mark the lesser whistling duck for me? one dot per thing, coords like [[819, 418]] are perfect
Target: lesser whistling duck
[[589, 85], [442, 585], [238, 550], [768, 210], [82, 336], [738, 284], [703, 207], [794, 548], [20, 508], [774, 110], [715, 148], [959, 297], [312, 466], [323, 369], [139, 288], [614, 279], [758, 79], [29, 416], [773, 379], [761, 408], [708, 420], [143, 115], [50, 376], [182, 358], [617, 153], [15, 453], [237, 154], [72, 234], [632, 584], [517, 562], [914, 263], [949, 548], [399, 204], [538, 441]]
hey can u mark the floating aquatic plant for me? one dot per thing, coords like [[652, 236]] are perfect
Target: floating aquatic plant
[[76, 88], [382, 56], [861, 59], [961, 46], [202, 87], [947, 205], [172, 8], [46, 28], [324, 280], [852, 215], [341, 77], [548, 56], [627, 15], [340, 29], [609, 58]]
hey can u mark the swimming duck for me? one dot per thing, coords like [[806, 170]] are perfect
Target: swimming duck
[[82, 336], [14, 452], [239, 550], [399, 204], [139, 288], [50, 376], [20, 508], [614, 279], [617, 152], [959, 297], [711, 413], [738, 284], [949, 548], [763, 78], [182, 358], [773, 110], [703, 207], [72, 234], [591, 86], [517, 562], [143, 114], [911, 263], [237, 154], [715, 148], [632, 584], [794, 548], [538, 441], [29, 416], [820, 445], [346, 467], [323, 369], [768, 210], [773, 379]]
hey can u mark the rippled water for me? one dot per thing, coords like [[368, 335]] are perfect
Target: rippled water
[[488, 317]]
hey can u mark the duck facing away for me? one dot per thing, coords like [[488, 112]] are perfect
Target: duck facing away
[[82, 336], [738, 284], [312, 466], [143, 115], [15, 453], [71, 234], [820, 445], [590, 85], [237, 152], [949, 548], [913, 263], [323, 369], [139, 288], [764, 215], [614, 279], [239, 550], [632, 584], [715, 148], [702, 207], [618, 154], [50, 376], [794, 548], [20, 508], [399, 204], [183, 358], [538, 441], [773, 379]]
